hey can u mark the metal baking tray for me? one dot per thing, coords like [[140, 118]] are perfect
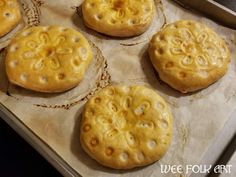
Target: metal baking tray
[[48, 153], [213, 9], [210, 157]]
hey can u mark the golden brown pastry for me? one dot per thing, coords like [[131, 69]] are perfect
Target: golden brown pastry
[[189, 56], [48, 58], [121, 18], [126, 126], [10, 15]]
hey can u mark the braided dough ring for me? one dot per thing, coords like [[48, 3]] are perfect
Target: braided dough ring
[[10, 15], [48, 59], [124, 127], [189, 56], [121, 18]]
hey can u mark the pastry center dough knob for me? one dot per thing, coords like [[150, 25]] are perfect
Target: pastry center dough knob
[[189, 47], [49, 52], [119, 4]]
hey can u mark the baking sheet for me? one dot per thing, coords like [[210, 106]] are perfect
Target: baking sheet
[[55, 118]]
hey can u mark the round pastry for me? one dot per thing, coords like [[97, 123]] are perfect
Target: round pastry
[[48, 58], [189, 56], [10, 15], [121, 18], [126, 126]]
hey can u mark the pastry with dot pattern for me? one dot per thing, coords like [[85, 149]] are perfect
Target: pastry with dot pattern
[[120, 18], [189, 55], [126, 126], [48, 58], [10, 15]]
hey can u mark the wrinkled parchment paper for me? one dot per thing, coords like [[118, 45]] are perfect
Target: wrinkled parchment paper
[[55, 118]]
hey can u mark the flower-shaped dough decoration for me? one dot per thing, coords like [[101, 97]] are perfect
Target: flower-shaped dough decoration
[[189, 55], [200, 50], [48, 59], [126, 126], [47, 50]]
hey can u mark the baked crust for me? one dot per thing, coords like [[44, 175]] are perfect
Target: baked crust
[[48, 58], [126, 126], [120, 18], [189, 55], [10, 15]]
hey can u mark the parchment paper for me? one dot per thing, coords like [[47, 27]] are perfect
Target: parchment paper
[[55, 118]]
